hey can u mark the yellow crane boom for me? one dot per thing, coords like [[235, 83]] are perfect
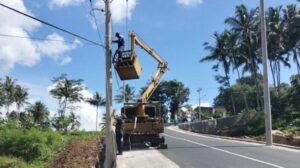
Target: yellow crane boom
[[161, 69]]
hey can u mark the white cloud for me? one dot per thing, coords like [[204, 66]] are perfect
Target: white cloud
[[85, 111], [56, 46], [204, 104], [119, 9], [25, 51], [64, 3], [191, 3], [66, 60], [14, 50]]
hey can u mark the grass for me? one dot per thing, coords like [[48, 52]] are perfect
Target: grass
[[13, 162], [84, 134], [294, 130], [34, 148]]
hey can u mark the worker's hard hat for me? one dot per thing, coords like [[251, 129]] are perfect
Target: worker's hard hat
[[117, 34]]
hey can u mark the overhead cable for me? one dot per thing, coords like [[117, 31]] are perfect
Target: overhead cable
[[95, 20], [51, 25], [38, 38]]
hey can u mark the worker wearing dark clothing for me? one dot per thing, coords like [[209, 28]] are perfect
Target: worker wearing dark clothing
[[121, 45], [119, 135]]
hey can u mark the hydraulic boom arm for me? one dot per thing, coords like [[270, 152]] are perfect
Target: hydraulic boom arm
[[161, 69]]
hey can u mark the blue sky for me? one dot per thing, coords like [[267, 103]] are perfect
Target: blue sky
[[176, 29]]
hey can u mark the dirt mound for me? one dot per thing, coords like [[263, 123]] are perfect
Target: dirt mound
[[288, 139], [83, 153]]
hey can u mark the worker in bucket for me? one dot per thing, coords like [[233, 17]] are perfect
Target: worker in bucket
[[121, 45], [119, 134]]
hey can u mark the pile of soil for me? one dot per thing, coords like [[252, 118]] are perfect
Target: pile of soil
[[82, 153], [288, 139], [279, 137]]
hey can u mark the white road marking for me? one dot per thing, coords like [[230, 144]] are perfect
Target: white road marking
[[231, 140], [203, 136], [225, 151]]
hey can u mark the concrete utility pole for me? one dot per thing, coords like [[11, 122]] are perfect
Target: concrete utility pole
[[267, 106], [109, 135], [199, 109]]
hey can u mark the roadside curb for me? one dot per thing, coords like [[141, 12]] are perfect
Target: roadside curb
[[239, 139]]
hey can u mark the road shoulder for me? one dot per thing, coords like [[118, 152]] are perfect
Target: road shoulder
[[147, 158]]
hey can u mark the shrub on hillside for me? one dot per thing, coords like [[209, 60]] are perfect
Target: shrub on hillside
[[10, 162], [6, 162], [30, 145], [255, 127]]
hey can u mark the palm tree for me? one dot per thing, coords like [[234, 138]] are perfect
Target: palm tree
[[291, 33], [219, 52], [20, 96], [73, 121], [129, 92], [96, 101], [276, 49], [246, 24], [8, 87], [39, 112], [233, 46], [67, 91]]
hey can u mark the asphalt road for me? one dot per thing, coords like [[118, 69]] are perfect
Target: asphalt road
[[190, 150]]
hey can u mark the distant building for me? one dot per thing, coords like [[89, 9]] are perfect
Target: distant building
[[211, 110], [221, 109]]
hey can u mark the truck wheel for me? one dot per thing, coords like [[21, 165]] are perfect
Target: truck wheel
[[163, 146], [154, 144]]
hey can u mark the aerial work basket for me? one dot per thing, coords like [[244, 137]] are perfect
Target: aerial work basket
[[127, 65]]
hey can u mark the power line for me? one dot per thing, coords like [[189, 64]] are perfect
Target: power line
[[51, 25], [38, 38], [95, 20]]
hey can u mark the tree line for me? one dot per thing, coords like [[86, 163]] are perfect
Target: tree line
[[238, 49], [172, 95], [66, 91]]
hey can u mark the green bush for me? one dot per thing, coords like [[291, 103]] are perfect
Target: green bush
[[30, 145], [255, 127], [20, 147], [84, 134], [278, 123], [8, 162], [9, 124], [296, 122]]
